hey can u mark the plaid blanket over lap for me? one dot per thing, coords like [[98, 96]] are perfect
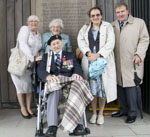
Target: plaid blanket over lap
[[79, 97]]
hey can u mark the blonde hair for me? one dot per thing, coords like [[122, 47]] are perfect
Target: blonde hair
[[121, 4], [33, 17]]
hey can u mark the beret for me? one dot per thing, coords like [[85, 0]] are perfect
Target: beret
[[54, 37]]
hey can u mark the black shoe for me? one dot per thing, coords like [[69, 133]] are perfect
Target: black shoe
[[131, 119], [51, 132], [78, 131], [33, 115], [26, 117], [118, 114]]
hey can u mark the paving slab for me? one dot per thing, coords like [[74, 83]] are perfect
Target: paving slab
[[12, 124]]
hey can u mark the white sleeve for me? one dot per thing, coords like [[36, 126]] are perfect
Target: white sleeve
[[82, 44], [23, 37]]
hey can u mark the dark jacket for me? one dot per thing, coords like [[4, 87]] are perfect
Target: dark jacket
[[76, 69]]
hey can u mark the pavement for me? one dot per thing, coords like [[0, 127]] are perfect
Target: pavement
[[12, 124]]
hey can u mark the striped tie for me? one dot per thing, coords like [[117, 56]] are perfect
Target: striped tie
[[121, 25], [58, 61]]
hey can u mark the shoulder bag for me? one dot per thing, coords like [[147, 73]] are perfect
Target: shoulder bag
[[18, 62]]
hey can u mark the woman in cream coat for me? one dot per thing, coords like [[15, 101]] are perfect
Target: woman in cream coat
[[106, 41], [29, 43]]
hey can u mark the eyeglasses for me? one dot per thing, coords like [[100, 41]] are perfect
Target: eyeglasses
[[56, 27], [34, 21], [97, 15]]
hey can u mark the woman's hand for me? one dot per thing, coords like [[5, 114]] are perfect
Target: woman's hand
[[52, 79], [93, 56]]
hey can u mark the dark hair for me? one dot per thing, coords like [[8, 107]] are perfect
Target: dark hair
[[121, 4], [95, 8]]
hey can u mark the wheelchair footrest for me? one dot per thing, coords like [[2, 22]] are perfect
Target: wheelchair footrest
[[39, 135], [87, 131]]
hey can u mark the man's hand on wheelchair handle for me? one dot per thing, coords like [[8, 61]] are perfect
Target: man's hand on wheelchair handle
[[52, 78], [77, 77]]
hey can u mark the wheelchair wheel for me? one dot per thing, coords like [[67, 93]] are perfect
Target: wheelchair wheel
[[39, 133]]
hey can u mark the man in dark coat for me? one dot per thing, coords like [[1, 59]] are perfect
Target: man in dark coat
[[65, 64]]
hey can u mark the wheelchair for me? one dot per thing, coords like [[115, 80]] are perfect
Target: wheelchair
[[42, 106]]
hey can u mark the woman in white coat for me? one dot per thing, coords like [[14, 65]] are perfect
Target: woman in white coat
[[97, 40], [29, 43]]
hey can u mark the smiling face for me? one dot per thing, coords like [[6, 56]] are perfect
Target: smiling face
[[56, 45], [56, 28], [33, 25], [122, 13], [95, 16]]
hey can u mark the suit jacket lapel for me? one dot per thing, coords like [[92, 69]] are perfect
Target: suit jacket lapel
[[53, 63], [63, 55]]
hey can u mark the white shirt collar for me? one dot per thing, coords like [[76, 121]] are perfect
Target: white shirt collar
[[123, 21], [60, 53]]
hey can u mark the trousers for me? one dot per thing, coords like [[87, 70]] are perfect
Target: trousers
[[52, 105], [128, 100]]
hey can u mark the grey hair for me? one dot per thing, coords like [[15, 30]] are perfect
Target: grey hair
[[33, 17], [54, 21]]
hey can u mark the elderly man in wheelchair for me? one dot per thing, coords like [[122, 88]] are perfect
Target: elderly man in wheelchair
[[60, 69]]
